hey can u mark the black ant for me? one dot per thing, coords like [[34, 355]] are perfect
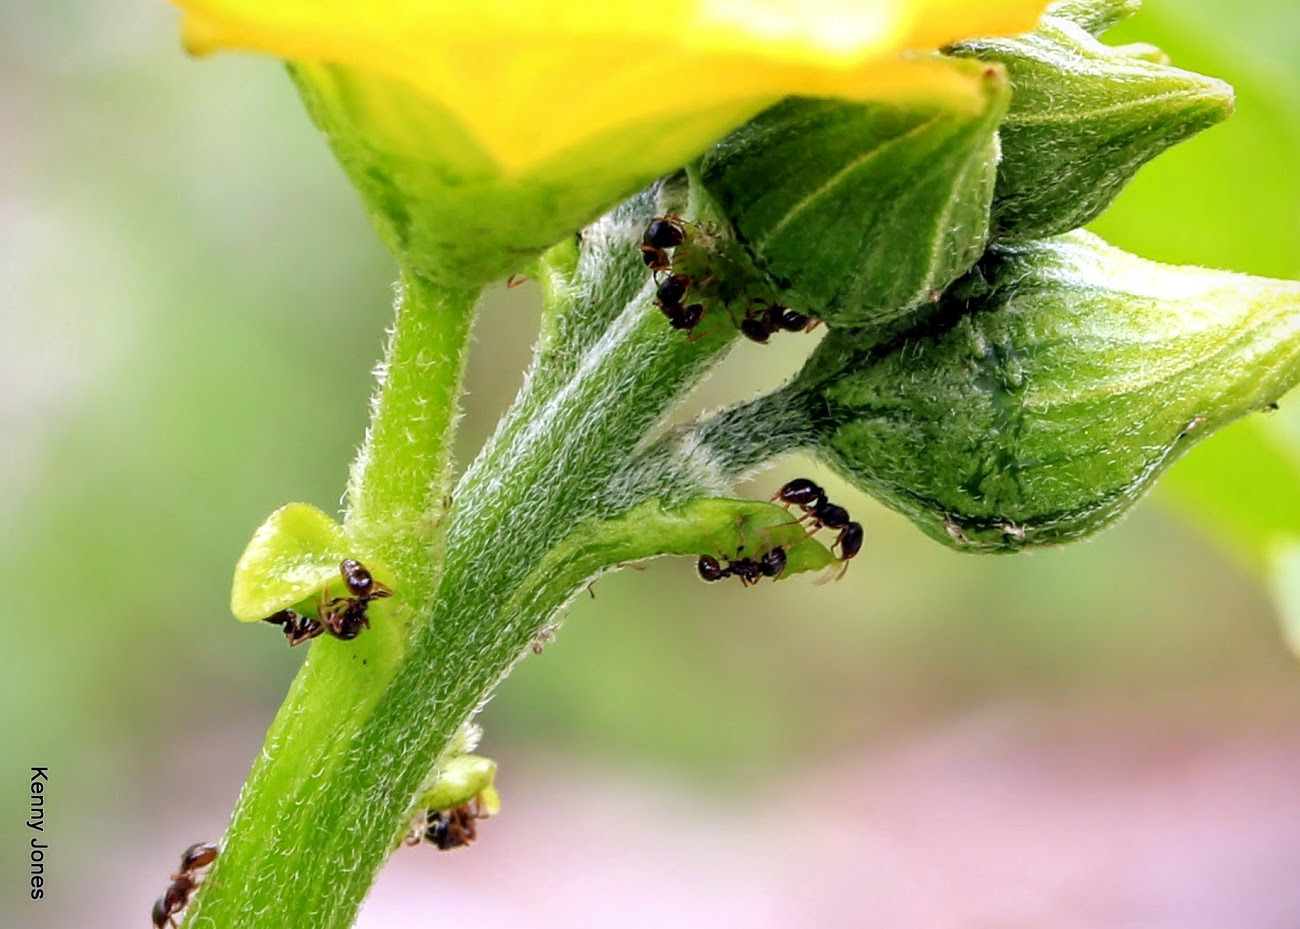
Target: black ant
[[663, 233], [822, 514], [668, 297], [345, 617], [448, 829], [774, 318], [750, 570], [184, 882], [341, 617], [828, 515]]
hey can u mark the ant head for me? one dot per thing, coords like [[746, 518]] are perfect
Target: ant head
[[663, 232]]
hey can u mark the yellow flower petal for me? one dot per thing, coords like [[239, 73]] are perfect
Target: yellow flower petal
[[480, 133], [530, 79]]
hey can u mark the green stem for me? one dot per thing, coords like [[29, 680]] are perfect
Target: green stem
[[400, 480], [712, 455], [289, 829], [366, 721]]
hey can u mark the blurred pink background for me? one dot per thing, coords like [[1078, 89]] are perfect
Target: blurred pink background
[[1102, 737]]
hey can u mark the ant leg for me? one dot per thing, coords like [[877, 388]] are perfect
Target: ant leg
[[828, 579], [321, 604], [309, 630]]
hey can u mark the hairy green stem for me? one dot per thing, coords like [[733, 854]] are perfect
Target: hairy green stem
[[287, 820], [713, 454], [400, 481], [367, 720]]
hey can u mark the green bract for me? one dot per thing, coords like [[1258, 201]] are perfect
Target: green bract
[[1058, 380], [719, 527], [461, 779], [1084, 118], [888, 205], [290, 558]]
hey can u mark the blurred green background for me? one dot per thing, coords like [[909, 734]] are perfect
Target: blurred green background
[[192, 301]]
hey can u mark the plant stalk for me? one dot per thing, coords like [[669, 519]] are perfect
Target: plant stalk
[[363, 726]]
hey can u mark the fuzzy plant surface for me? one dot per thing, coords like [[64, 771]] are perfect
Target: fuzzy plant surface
[[907, 182]]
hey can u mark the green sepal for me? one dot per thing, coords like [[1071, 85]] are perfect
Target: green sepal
[[889, 204], [1084, 118], [291, 556], [1059, 380], [461, 779], [445, 208]]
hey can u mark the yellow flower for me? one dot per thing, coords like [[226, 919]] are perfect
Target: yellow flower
[[551, 111]]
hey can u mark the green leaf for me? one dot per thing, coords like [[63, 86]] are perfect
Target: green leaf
[[1084, 118], [889, 203], [290, 558], [1060, 380]]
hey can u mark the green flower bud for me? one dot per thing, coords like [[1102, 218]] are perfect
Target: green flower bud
[[1084, 118], [1058, 379], [1097, 16], [890, 202]]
